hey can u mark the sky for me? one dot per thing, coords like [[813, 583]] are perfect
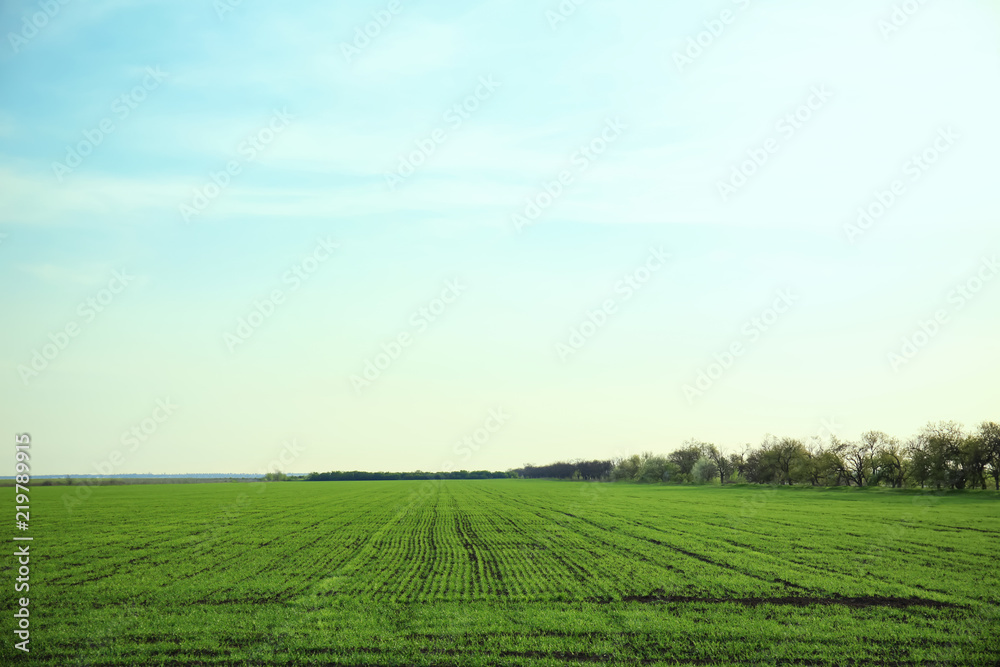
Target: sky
[[317, 236]]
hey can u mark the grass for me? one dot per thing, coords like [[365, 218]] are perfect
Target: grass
[[511, 572]]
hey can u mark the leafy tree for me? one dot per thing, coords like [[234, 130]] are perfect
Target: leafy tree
[[975, 457], [858, 459], [759, 466], [723, 465], [890, 465], [821, 466], [646, 468], [685, 457], [944, 443], [567, 470], [919, 461], [626, 469], [788, 454], [704, 470], [867, 462], [738, 464], [942, 454], [937, 456], [989, 434], [359, 475], [656, 469]]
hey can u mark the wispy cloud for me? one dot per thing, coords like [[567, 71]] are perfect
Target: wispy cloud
[[738, 115]]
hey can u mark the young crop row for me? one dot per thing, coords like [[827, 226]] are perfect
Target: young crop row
[[514, 572]]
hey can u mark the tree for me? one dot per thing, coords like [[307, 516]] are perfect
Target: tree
[[944, 443], [920, 461], [775, 461], [975, 459], [989, 434], [646, 468], [723, 465], [737, 465], [869, 461], [685, 457], [704, 470], [558, 470], [822, 466], [858, 458], [625, 469], [788, 453], [890, 465], [593, 470], [942, 454], [656, 469], [936, 455], [760, 465]]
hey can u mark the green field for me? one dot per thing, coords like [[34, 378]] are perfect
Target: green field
[[510, 572]]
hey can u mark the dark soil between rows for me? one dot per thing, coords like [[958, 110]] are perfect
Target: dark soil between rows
[[797, 601]]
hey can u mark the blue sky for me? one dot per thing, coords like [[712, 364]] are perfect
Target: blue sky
[[817, 110]]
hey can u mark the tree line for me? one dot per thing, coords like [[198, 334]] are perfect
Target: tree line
[[363, 476], [941, 455], [586, 470]]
